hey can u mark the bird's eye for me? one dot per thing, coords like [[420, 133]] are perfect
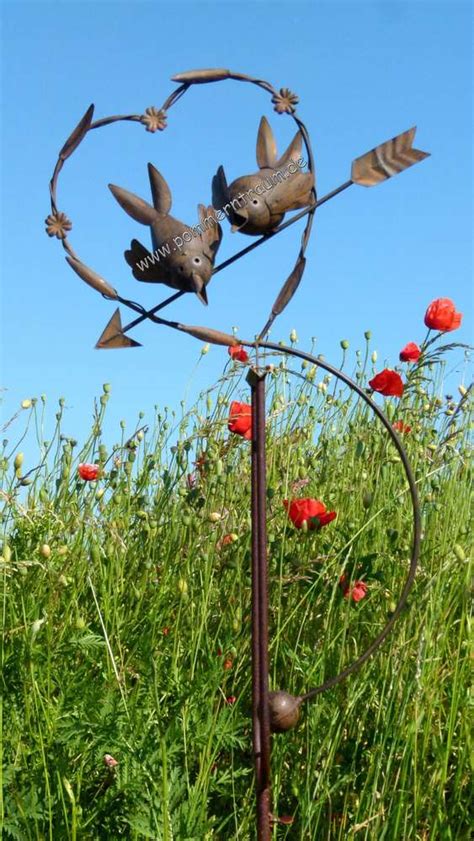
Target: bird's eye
[[254, 201], [197, 260], [181, 268]]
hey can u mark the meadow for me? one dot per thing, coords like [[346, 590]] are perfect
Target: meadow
[[126, 614]]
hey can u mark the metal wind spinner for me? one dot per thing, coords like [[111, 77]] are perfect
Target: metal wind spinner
[[189, 268]]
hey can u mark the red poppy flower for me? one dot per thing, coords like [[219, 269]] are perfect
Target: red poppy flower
[[441, 315], [231, 699], [239, 353], [227, 540], [310, 511], [227, 664], [410, 353], [388, 383], [240, 419], [201, 463], [356, 592], [399, 426], [89, 472]]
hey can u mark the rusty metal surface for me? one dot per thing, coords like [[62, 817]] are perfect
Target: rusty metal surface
[[386, 160], [182, 272], [260, 666], [187, 267], [258, 202]]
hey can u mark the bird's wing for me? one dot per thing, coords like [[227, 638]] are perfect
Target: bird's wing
[[145, 265], [266, 145], [136, 207], [160, 191], [295, 192], [293, 153], [220, 190], [211, 230]]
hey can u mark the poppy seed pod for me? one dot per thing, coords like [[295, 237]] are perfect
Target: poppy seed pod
[[284, 711]]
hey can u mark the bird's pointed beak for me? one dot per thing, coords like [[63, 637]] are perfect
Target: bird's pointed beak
[[241, 217], [200, 288]]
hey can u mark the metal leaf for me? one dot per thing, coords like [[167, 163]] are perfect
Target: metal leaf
[[207, 334], [136, 207], [386, 160], [112, 337], [289, 287], [77, 135], [92, 278], [200, 76]]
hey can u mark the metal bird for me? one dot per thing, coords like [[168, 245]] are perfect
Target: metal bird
[[256, 204], [183, 256]]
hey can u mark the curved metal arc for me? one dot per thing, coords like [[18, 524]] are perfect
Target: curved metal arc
[[379, 639]]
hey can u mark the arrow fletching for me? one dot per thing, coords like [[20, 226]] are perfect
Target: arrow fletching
[[113, 337], [386, 160]]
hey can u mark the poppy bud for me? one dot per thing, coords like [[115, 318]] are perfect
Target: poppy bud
[[45, 550], [462, 390], [214, 517], [374, 356], [368, 335], [18, 461], [26, 404], [344, 344], [293, 336], [204, 350], [367, 499], [459, 552], [284, 711]]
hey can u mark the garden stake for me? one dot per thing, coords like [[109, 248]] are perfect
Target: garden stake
[[277, 711], [260, 709]]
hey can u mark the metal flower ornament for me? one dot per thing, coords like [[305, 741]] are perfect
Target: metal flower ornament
[[183, 258]]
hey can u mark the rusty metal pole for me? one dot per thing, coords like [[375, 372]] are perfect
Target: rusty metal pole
[[260, 710]]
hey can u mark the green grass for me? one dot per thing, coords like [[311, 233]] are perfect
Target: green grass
[[118, 597]]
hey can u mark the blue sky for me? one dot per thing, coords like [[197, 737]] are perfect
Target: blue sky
[[364, 71]]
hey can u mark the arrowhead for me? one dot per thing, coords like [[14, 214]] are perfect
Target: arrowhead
[[113, 337], [387, 160]]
